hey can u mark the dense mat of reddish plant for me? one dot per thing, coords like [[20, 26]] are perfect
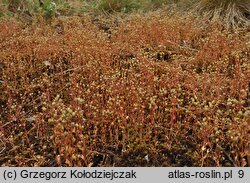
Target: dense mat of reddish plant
[[141, 91]]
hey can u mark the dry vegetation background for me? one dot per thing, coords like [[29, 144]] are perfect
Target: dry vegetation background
[[148, 88]]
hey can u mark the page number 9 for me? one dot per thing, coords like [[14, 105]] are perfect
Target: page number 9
[[241, 174]]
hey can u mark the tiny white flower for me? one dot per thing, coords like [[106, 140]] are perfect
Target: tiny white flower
[[31, 118], [47, 63]]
